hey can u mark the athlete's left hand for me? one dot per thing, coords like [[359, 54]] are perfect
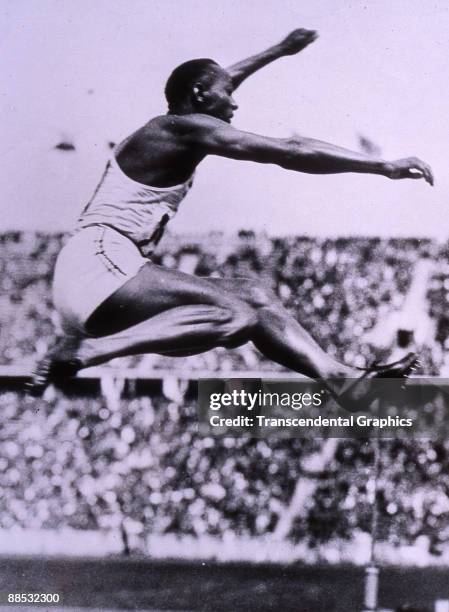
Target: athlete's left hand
[[297, 41], [411, 168]]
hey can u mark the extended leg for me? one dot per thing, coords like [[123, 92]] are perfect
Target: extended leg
[[280, 337]]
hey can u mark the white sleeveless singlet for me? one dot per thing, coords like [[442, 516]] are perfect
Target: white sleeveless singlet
[[137, 211]]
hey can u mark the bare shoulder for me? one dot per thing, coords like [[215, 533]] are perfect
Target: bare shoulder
[[203, 134], [179, 128], [183, 125]]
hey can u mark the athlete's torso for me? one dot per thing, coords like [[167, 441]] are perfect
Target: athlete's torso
[[138, 194]]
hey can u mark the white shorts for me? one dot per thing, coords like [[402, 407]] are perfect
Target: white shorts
[[95, 262]]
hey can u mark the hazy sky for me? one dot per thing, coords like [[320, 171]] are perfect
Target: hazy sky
[[94, 70]]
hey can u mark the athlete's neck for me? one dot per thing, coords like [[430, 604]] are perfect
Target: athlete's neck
[[186, 108]]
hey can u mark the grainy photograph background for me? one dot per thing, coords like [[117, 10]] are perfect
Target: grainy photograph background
[[109, 496]]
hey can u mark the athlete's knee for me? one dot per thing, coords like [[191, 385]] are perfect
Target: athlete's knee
[[259, 295]]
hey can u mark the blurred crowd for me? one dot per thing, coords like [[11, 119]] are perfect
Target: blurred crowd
[[142, 467], [139, 465]]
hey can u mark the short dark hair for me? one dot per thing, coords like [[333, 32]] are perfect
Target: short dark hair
[[184, 77]]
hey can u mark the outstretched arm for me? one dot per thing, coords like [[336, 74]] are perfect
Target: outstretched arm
[[296, 41], [325, 158], [215, 137]]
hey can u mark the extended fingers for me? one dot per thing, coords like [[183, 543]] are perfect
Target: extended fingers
[[429, 174], [424, 169]]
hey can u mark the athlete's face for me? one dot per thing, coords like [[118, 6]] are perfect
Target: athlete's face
[[217, 97]]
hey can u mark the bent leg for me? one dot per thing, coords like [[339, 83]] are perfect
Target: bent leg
[[178, 331], [165, 311], [154, 290]]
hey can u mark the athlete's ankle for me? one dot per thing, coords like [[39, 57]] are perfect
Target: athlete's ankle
[[339, 371], [89, 353]]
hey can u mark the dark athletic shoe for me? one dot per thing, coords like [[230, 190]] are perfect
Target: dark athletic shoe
[[59, 363], [402, 368], [361, 392]]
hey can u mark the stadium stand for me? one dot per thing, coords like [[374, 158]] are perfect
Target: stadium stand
[[94, 460]]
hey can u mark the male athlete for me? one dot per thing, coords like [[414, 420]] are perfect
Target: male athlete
[[114, 301]]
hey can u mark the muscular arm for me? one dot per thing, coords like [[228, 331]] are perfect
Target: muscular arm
[[296, 41], [214, 137]]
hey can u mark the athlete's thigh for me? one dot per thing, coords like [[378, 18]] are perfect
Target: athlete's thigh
[[155, 289]]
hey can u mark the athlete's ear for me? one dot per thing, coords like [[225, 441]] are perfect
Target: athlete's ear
[[198, 93]]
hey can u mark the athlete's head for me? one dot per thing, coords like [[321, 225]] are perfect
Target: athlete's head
[[201, 86]]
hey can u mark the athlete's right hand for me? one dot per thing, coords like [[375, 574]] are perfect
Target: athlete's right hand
[[297, 41], [410, 167]]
